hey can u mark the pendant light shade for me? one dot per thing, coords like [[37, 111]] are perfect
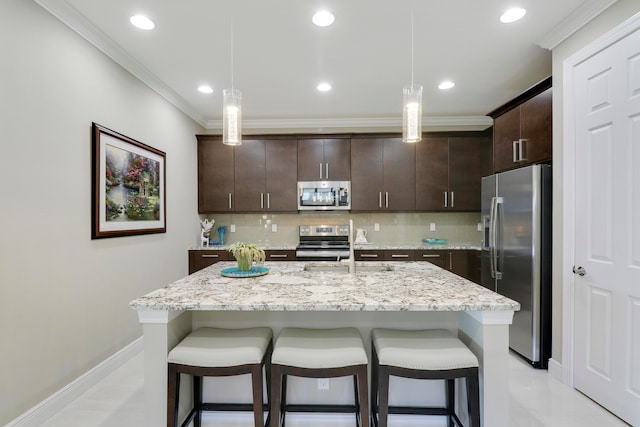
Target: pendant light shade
[[232, 117], [412, 113]]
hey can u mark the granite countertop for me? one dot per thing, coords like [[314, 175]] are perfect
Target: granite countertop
[[411, 286], [358, 246]]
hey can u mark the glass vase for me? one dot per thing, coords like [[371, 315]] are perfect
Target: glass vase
[[244, 263]]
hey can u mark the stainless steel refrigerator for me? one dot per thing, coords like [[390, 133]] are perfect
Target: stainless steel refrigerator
[[516, 254]]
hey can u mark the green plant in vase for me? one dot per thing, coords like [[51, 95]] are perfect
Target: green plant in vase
[[246, 254]]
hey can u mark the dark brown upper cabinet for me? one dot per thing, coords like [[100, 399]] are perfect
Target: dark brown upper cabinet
[[522, 129], [265, 175], [383, 175], [449, 172], [215, 175], [324, 159]]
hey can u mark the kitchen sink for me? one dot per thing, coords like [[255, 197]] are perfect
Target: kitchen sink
[[344, 268]]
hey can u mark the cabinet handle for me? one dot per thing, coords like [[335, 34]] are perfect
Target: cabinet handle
[[380, 199], [320, 170], [268, 200], [430, 255], [368, 255], [261, 200], [450, 261], [515, 151], [278, 256], [386, 199], [445, 200], [452, 200], [326, 170], [229, 200], [210, 256], [521, 151], [399, 256]]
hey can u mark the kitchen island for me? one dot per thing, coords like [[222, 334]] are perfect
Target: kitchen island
[[412, 295]]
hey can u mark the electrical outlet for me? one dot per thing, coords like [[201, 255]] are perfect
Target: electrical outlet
[[376, 227], [479, 226], [432, 226], [274, 228], [232, 228], [323, 383]]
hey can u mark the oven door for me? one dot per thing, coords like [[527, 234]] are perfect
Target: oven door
[[321, 255], [324, 195]]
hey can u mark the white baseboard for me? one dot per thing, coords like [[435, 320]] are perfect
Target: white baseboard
[[315, 420], [555, 369], [44, 410]]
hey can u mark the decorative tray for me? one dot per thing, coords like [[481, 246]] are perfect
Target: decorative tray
[[435, 241], [255, 271]]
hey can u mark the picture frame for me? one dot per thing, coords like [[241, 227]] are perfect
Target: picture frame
[[128, 191]]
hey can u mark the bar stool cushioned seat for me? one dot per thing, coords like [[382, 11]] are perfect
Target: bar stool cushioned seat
[[215, 352], [422, 354], [319, 353]]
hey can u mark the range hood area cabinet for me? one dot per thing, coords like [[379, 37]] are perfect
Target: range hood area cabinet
[[522, 129], [257, 176], [449, 171], [324, 159], [383, 175]]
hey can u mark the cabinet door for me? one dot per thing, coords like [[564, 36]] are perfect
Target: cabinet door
[[281, 175], [536, 128], [280, 255], [337, 158], [250, 176], [199, 259], [215, 176], [432, 172], [438, 257], [506, 129], [399, 254], [310, 159], [460, 263], [465, 172], [368, 255], [366, 174], [399, 171]]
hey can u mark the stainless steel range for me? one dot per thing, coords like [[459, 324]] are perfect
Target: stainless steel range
[[323, 243]]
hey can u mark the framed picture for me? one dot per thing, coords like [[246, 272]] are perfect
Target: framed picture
[[128, 186]]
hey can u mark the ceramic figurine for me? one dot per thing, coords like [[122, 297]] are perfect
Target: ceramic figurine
[[206, 229]]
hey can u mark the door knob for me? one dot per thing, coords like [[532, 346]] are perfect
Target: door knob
[[580, 271]]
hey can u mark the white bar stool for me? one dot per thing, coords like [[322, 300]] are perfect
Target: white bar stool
[[214, 352], [422, 354], [319, 353]]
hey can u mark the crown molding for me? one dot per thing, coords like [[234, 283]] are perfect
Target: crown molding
[[69, 16], [573, 22], [360, 123]]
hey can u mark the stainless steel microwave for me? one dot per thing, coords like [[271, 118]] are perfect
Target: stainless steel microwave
[[324, 195]]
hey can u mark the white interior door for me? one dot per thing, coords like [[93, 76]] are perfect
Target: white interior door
[[606, 96]]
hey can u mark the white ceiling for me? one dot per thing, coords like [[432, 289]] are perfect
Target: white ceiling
[[280, 56]]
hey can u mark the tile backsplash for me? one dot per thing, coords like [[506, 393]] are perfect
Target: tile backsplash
[[393, 227]]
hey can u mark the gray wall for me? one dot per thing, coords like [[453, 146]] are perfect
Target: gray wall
[[609, 19], [63, 297]]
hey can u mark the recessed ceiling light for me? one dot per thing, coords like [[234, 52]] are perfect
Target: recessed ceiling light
[[323, 18], [513, 15], [205, 89], [142, 22], [447, 84], [324, 87]]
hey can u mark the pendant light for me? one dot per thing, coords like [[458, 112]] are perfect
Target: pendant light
[[412, 105], [232, 110]]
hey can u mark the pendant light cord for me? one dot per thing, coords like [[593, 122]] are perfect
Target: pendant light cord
[[412, 46], [232, 54]]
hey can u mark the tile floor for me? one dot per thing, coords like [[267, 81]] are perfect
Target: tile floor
[[536, 400]]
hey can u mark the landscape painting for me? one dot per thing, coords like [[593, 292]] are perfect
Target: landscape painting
[[128, 191]]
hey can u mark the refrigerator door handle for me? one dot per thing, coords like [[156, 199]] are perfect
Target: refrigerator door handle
[[493, 232]]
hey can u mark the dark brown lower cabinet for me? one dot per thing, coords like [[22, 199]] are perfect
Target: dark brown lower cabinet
[[369, 254], [199, 259], [463, 262], [280, 255]]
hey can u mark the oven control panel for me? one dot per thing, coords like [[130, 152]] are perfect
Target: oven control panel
[[324, 230]]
